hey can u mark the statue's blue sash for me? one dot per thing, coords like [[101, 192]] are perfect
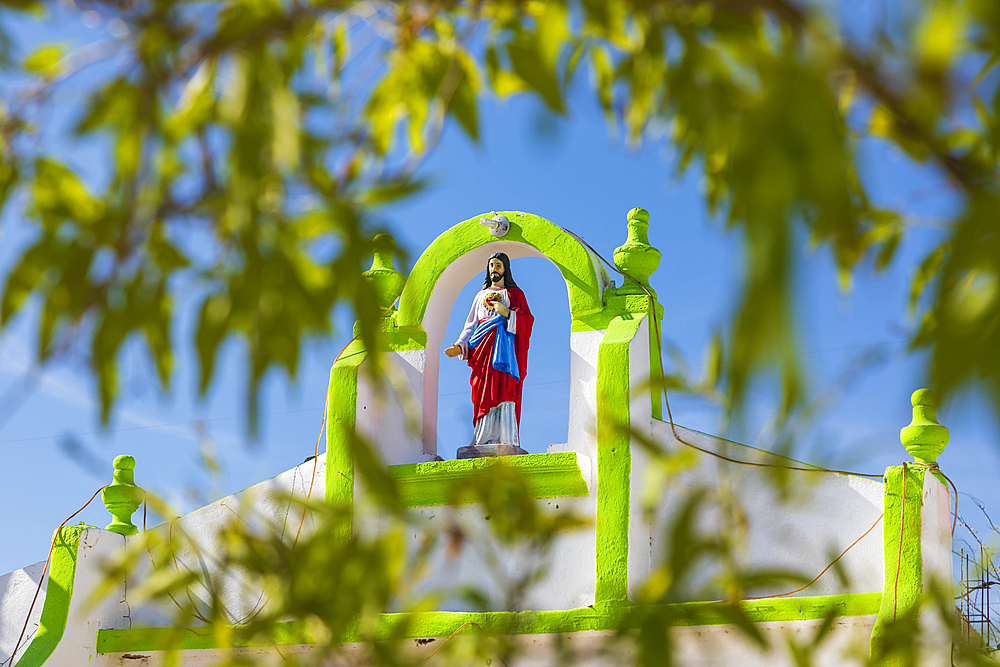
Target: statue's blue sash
[[504, 359]]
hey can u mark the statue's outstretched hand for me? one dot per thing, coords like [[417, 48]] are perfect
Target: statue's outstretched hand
[[453, 351]]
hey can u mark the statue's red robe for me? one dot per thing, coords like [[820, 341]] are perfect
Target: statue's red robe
[[491, 387]]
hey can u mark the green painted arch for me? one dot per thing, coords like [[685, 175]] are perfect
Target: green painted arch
[[563, 249]]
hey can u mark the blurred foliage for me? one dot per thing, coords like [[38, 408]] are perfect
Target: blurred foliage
[[249, 143], [268, 131], [241, 149]]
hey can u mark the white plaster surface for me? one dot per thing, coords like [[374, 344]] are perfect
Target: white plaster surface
[[16, 591], [937, 568], [800, 527], [705, 646], [388, 414], [581, 436], [264, 509], [640, 422], [846, 644], [88, 611], [511, 578]]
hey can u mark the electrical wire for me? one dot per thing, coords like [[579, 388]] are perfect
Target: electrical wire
[[322, 427], [48, 559], [315, 458], [196, 613], [666, 398], [194, 422], [457, 630], [825, 569]]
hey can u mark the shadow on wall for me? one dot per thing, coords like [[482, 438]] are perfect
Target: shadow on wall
[[545, 398]]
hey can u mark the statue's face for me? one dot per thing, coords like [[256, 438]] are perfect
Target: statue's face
[[496, 271]]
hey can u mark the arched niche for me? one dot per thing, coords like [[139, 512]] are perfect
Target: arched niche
[[459, 255]]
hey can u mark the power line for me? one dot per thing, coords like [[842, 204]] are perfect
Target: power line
[[151, 426]]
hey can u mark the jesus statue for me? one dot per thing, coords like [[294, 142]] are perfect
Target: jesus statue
[[495, 343]]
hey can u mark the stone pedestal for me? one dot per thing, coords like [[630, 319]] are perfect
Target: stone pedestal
[[480, 451]]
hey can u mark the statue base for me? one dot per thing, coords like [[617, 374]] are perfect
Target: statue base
[[482, 451]]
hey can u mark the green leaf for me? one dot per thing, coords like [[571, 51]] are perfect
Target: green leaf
[[109, 334], [987, 67], [926, 272], [391, 191], [341, 47], [214, 320], [603, 78], [541, 77], [24, 278], [714, 364], [463, 105], [9, 175], [45, 61], [286, 118], [503, 82], [196, 106], [164, 254], [58, 193]]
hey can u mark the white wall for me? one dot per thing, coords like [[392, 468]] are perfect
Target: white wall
[[481, 563], [88, 611], [16, 590], [937, 568], [803, 532], [264, 509], [581, 435], [704, 646], [388, 415], [569, 580]]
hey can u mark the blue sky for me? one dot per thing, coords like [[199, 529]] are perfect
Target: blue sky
[[570, 172]]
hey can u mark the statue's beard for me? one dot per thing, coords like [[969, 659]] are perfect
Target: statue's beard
[[496, 277]]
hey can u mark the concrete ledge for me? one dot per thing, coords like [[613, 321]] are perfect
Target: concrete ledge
[[444, 623], [446, 482]]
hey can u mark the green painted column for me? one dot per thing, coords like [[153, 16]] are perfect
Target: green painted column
[[912, 497], [614, 463], [638, 260]]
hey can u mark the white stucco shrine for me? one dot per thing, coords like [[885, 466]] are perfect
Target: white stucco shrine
[[625, 470]]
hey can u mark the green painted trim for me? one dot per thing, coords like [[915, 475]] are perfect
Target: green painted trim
[[614, 461], [572, 259], [399, 340], [389, 336], [616, 305], [439, 482], [58, 593], [771, 610], [342, 407], [655, 317], [444, 623], [595, 321], [900, 600]]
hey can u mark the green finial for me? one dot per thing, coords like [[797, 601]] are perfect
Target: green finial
[[387, 281], [122, 497], [924, 438], [637, 258]]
